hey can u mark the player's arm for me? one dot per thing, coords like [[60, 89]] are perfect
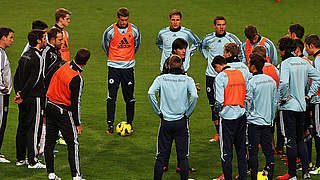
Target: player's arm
[[203, 47], [195, 42], [314, 74], [106, 39], [137, 38], [275, 99], [193, 97], [272, 52], [3, 87], [243, 49], [249, 97], [219, 91], [284, 83], [159, 41], [154, 88], [76, 86]]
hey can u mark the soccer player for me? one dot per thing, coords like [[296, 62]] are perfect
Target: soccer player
[[167, 35], [121, 42], [6, 39], [36, 25], [296, 31], [294, 75], [62, 21], [51, 56], [30, 90], [211, 46], [261, 105], [230, 87], [175, 110], [254, 39], [63, 112], [312, 46]]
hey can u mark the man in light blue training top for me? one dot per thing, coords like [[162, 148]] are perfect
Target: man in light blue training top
[[175, 110], [261, 107], [211, 46], [121, 42], [167, 35], [230, 87], [255, 39], [294, 75]]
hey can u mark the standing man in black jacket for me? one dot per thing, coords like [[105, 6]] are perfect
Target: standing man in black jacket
[[30, 90]]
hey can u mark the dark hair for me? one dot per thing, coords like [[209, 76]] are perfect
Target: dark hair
[[218, 18], [232, 48], [175, 12], [257, 61], [4, 31], [124, 12], [312, 39], [39, 25], [286, 44], [218, 60], [250, 32], [297, 29], [35, 35], [61, 13], [52, 33], [299, 44], [175, 61], [82, 56], [261, 50], [179, 43]]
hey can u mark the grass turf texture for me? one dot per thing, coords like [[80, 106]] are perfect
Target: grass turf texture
[[114, 157]]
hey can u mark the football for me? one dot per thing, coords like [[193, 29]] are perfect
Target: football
[[262, 176], [123, 129]]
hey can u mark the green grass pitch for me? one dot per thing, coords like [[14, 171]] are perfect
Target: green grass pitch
[[122, 158]]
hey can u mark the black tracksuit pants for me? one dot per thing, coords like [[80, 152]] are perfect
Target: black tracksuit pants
[[294, 132], [179, 132], [233, 132], [4, 106], [280, 127], [258, 134], [61, 119], [29, 129], [126, 78], [316, 127]]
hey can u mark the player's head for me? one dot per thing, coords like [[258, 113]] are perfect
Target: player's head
[[251, 33], [256, 63], [179, 47], [260, 50], [231, 49], [218, 63], [219, 24], [312, 44], [55, 37], [175, 18], [296, 31], [123, 17], [36, 38], [175, 62], [39, 25], [299, 47], [82, 56], [63, 17], [286, 45], [6, 37]]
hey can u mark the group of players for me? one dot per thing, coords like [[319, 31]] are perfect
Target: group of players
[[48, 89], [246, 93], [243, 87]]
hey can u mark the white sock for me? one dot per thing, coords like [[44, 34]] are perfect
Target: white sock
[[43, 138]]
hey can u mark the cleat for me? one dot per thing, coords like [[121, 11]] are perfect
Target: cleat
[[284, 159], [109, 130], [191, 170], [38, 165], [220, 178], [55, 151], [215, 138], [3, 159], [283, 156], [61, 141], [287, 176], [316, 171], [41, 154], [78, 178], [53, 176], [22, 162], [178, 170], [306, 176], [165, 168]]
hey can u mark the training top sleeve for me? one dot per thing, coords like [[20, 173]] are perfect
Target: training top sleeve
[[3, 58], [314, 74], [195, 41], [76, 86], [203, 47], [137, 38], [193, 97], [159, 41], [106, 39], [154, 88], [220, 85], [271, 52]]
